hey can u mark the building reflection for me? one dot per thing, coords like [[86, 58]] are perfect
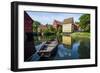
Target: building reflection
[[67, 42]]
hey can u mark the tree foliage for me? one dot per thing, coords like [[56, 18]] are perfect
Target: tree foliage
[[35, 25], [85, 22]]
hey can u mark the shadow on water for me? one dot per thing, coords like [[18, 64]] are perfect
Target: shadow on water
[[68, 48], [84, 49]]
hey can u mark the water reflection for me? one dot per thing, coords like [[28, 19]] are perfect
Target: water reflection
[[67, 48], [66, 40]]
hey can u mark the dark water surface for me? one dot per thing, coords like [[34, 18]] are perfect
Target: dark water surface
[[68, 48]]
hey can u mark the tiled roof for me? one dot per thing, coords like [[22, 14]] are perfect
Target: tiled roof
[[68, 20]]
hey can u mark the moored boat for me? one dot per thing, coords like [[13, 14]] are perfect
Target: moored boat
[[48, 48]]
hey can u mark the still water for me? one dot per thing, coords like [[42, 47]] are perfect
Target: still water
[[68, 48]]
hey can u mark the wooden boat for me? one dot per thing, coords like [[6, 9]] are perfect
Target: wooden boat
[[48, 49]]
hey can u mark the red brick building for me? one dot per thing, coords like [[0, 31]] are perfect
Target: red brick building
[[75, 27], [28, 21], [56, 24], [29, 47], [42, 27]]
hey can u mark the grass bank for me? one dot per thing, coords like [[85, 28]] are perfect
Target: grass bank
[[81, 34]]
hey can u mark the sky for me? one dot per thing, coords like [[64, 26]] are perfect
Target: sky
[[49, 17]]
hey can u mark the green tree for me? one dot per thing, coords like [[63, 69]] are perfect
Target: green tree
[[76, 22], [48, 27], [52, 29], [85, 22], [60, 29], [35, 26]]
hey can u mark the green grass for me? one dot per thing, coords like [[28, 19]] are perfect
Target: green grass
[[81, 34]]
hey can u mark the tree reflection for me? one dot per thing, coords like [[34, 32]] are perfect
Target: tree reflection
[[84, 49]]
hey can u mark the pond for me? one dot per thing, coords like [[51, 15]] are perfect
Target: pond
[[68, 48]]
